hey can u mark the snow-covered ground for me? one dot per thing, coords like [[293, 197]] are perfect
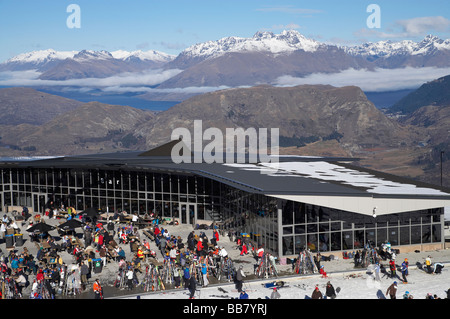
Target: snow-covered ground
[[359, 284]]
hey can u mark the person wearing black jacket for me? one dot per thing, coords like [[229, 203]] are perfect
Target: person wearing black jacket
[[330, 292], [192, 287]]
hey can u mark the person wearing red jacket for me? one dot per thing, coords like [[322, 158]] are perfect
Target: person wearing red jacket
[[98, 290], [244, 250], [199, 247], [393, 268]]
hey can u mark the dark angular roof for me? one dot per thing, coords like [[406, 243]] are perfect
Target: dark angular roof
[[331, 176]]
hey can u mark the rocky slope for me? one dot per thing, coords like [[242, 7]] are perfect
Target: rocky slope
[[26, 105], [304, 113], [91, 128]]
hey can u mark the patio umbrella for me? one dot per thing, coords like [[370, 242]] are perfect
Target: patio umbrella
[[71, 224], [40, 228], [88, 249], [91, 212]]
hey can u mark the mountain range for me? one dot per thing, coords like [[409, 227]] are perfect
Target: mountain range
[[235, 61]]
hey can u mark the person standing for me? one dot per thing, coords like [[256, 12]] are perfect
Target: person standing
[[393, 268], [130, 277], [192, 287], [392, 290], [186, 277], [404, 272], [205, 275], [240, 275], [98, 290], [406, 262], [84, 271], [176, 277], [330, 292], [377, 272], [428, 264], [215, 237]]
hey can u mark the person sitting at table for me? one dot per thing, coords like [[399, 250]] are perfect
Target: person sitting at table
[[65, 244], [123, 238], [40, 275], [76, 250], [146, 245], [40, 254], [21, 281], [140, 253], [121, 254]]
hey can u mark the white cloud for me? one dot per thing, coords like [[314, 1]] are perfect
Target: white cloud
[[147, 78], [421, 25], [370, 81], [409, 28]]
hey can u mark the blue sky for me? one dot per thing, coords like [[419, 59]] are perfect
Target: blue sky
[[171, 26]]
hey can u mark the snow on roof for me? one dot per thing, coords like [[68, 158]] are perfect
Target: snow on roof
[[331, 172]]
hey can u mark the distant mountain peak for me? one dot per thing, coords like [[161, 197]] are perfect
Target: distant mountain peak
[[152, 55], [90, 54], [387, 48], [40, 56], [263, 35], [262, 41]]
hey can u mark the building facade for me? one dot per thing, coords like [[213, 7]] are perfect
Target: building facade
[[285, 212]]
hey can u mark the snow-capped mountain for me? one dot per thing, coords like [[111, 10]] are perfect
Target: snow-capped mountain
[[41, 56], [44, 60], [36, 60], [236, 61], [287, 41], [89, 55], [150, 55], [429, 45]]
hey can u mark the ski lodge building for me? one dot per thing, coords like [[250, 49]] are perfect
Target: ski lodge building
[[325, 204]]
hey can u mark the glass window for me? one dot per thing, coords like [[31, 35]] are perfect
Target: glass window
[[393, 235], [370, 237], [359, 239], [426, 233], [125, 180], [336, 225], [336, 238], [299, 229], [299, 213], [288, 246], [287, 217], [150, 186], [404, 235], [311, 228], [436, 232], [183, 184], [416, 235], [324, 243], [312, 242], [381, 236], [324, 226], [300, 243], [141, 181], [415, 218]]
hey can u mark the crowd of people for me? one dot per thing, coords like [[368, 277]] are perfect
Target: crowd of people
[[100, 242]]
